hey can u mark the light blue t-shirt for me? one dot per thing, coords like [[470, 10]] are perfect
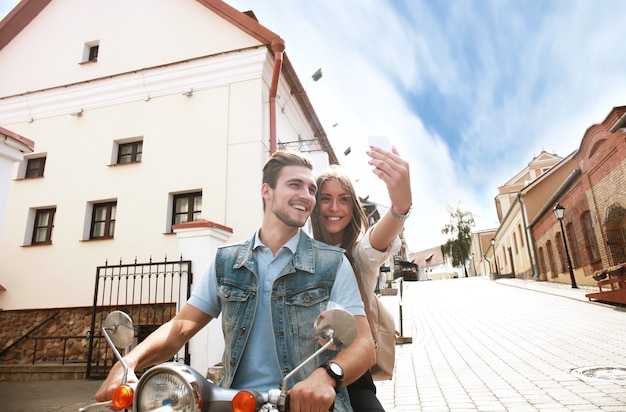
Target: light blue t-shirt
[[259, 368]]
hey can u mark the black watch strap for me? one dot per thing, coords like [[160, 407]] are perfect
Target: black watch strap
[[335, 371]]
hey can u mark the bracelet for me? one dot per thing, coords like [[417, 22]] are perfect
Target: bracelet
[[401, 216]]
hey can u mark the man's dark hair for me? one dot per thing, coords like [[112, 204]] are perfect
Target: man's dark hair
[[280, 159]]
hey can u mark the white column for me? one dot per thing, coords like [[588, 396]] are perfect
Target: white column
[[198, 242]]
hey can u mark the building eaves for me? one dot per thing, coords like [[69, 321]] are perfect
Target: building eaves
[[244, 21], [248, 23], [16, 141], [545, 175], [557, 194], [536, 162], [18, 18], [621, 122], [26, 10], [428, 257]]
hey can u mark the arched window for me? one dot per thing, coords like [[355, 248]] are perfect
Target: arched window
[[551, 261], [590, 237], [542, 262], [558, 239], [521, 235], [515, 243], [573, 245]]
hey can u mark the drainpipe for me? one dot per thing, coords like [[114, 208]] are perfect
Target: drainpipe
[[526, 230], [278, 47], [489, 263], [529, 245]]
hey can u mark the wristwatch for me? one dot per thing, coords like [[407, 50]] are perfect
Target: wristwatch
[[335, 371], [401, 216]]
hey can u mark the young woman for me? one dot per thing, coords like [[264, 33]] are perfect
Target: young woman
[[338, 219]]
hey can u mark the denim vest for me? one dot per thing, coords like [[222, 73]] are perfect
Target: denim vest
[[299, 294]]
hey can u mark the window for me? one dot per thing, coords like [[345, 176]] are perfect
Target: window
[[542, 262], [561, 251], [129, 152], [521, 236], [103, 220], [44, 222], [93, 53], [515, 243], [90, 51], [590, 237], [573, 245], [551, 262], [35, 167], [187, 207]]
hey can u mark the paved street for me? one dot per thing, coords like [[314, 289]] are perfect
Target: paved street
[[479, 345], [47, 396]]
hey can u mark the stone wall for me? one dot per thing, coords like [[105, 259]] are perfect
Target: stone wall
[[54, 343], [62, 332]]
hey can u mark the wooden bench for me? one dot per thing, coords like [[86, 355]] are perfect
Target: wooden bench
[[617, 293]]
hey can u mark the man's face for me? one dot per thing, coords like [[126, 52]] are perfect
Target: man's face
[[293, 199]]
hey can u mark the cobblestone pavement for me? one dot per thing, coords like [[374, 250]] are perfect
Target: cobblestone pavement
[[477, 345], [505, 345], [47, 396]]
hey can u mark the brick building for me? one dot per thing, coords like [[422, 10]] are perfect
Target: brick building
[[594, 198]]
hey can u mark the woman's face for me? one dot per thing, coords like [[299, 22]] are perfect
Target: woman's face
[[335, 209]]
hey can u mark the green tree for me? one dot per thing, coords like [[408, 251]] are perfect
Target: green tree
[[458, 246]]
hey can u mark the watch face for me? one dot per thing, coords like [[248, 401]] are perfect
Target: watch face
[[337, 370]]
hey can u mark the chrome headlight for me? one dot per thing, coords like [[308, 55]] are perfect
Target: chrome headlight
[[171, 386]]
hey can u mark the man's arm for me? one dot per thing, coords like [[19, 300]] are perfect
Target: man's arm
[[357, 358], [319, 387], [160, 346]]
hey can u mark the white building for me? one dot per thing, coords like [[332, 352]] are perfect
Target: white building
[[146, 113], [12, 150]]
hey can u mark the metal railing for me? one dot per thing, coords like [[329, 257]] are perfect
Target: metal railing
[[151, 293], [55, 359]]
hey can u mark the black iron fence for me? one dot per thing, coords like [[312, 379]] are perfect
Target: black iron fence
[[150, 293]]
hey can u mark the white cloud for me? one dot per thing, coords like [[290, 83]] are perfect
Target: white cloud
[[468, 91]]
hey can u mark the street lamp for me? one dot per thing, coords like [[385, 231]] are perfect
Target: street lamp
[[495, 259], [559, 211]]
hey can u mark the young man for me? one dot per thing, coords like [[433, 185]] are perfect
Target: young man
[[269, 290]]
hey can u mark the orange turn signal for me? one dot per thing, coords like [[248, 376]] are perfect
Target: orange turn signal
[[244, 401], [123, 396]]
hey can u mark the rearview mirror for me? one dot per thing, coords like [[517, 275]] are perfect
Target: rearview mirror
[[336, 324], [119, 327]]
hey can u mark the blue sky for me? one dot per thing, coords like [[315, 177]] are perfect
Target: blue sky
[[467, 90]]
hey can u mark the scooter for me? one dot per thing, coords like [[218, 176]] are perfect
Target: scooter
[[173, 386]]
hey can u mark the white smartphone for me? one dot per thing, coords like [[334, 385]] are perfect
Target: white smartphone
[[380, 141]]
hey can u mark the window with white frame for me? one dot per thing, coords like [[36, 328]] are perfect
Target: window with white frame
[[43, 224], [35, 167], [32, 166], [186, 207], [103, 220], [90, 51], [126, 151]]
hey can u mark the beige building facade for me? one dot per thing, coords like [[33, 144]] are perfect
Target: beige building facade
[[153, 120], [508, 249], [13, 148]]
